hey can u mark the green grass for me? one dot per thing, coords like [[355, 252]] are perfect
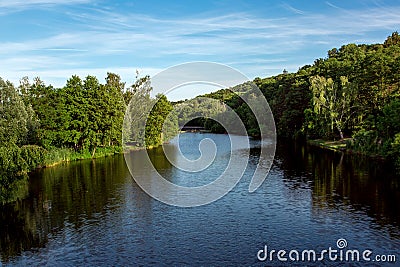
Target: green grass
[[338, 145], [55, 156]]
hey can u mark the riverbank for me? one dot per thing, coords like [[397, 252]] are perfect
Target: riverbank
[[81, 204], [59, 155], [16, 162], [339, 145], [343, 145]]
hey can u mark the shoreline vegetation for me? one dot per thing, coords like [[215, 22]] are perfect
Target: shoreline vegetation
[[344, 145], [340, 145], [352, 95], [42, 126]]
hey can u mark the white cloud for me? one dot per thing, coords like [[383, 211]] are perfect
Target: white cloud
[[259, 46], [292, 9], [28, 3]]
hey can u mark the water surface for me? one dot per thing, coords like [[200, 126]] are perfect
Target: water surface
[[92, 212]]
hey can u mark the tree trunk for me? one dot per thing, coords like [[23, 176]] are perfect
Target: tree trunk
[[340, 132], [94, 151]]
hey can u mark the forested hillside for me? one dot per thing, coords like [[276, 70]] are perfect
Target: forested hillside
[[353, 92]]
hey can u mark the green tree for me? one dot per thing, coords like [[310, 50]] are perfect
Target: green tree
[[115, 110], [155, 121], [136, 114], [392, 40], [13, 115], [33, 123], [74, 106], [49, 106], [333, 103]]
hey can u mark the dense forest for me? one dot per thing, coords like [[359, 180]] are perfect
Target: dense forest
[[352, 94], [41, 125]]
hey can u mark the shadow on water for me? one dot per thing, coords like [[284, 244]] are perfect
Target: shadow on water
[[342, 181], [93, 209], [68, 193]]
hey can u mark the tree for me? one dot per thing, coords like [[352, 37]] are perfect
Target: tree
[[333, 102], [13, 115], [136, 114], [394, 39], [74, 108], [94, 105], [49, 106], [105, 107], [155, 121], [32, 122], [115, 110]]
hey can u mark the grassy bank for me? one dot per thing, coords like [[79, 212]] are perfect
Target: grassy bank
[[16, 162], [339, 145], [58, 155], [345, 145]]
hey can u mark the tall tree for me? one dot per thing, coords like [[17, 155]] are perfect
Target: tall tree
[[155, 121], [13, 115], [75, 109], [333, 102], [115, 110], [137, 110], [32, 122]]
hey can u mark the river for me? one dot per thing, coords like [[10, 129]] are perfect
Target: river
[[92, 213]]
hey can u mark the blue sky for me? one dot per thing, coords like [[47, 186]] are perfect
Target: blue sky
[[56, 39]]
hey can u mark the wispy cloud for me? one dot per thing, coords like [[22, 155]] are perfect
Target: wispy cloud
[[332, 5], [292, 9], [96, 37], [29, 3]]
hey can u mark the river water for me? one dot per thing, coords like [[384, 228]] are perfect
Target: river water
[[92, 213]]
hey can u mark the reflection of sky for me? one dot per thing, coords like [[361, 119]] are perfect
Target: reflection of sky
[[100, 216], [189, 146], [56, 39]]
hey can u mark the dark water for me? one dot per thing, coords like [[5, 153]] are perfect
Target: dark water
[[92, 213]]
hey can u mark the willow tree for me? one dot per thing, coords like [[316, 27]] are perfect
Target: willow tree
[[139, 104], [13, 116], [333, 102]]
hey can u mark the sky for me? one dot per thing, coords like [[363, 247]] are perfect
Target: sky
[[57, 39]]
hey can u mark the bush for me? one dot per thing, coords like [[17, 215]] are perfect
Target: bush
[[395, 151], [33, 156], [12, 165], [368, 142]]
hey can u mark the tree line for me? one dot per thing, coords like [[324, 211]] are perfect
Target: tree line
[[352, 93], [41, 125]]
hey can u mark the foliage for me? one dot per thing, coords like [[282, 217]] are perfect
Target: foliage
[[136, 114], [41, 125], [395, 151], [353, 92], [154, 134], [13, 115], [148, 122], [333, 103]]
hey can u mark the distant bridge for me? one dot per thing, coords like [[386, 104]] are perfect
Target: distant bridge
[[188, 128]]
